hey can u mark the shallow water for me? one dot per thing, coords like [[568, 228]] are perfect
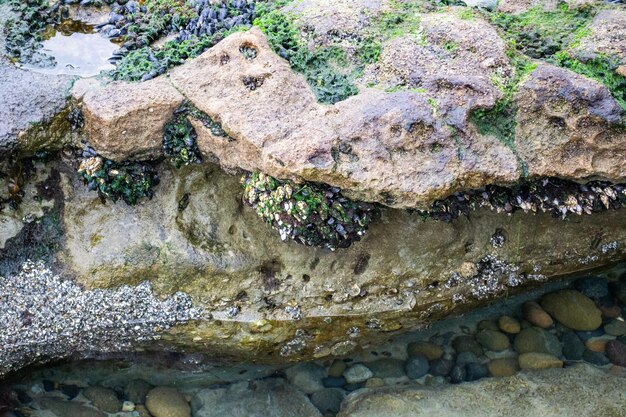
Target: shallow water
[[77, 49], [242, 386]]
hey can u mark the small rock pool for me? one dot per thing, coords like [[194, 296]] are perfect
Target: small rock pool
[[76, 48], [576, 324]]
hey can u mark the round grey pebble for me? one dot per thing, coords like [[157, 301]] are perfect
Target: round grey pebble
[[416, 367], [573, 347], [357, 373], [457, 375], [595, 358], [593, 287], [475, 371], [328, 400], [441, 367]]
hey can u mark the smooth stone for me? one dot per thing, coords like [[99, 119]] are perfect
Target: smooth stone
[[71, 391], [593, 287], [588, 335], [128, 406], [595, 358], [487, 325], [307, 377], [457, 374], [142, 411], [535, 360], [598, 344], [441, 367], [503, 367], [535, 339], [466, 357], [483, 4], [573, 347], [136, 391], [354, 387], [328, 400], [63, 408], [48, 385], [333, 382], [431, 350], [467, 344], [615, 328], [493, 340], [167, 402], [536, 315], [509, 325], [336, 368], [610, 311], [272, 397], [416, 367], [572, 309], [357, 373], [475, 371], [104, 399], [387, 368], [374, 383], [616, 352]]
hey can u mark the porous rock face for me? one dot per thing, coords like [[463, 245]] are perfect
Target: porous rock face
[[404, 148], [607, 36], [275, 301], [553, 392], [568, 126]]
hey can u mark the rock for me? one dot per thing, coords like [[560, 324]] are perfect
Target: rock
[[572, 309], [125, 120], [268, 397], [535, 360], [167, 402], [534, 339], [307, 377], [466, 357], [538, 391], [573, 347], [615, 328], [328, 400], [416, 367], [475, 371], [70, 390], [621, 70], [336, 368], [493, 340], [616, 352], [487, 325], [136, 391], [467, 344], [104, 399], [387, 368], [31, 115], [509, 325], [333, 382], [69, 408], [584, 336], [607, 35], [374, 383], [367, 123], [458, 374], [573, 140], [597, 344], [128, 406], [357, 373], [430, 350], [536, 315], [142, 411], [503, 367], [593, 287], [595, 358], [441, 367]]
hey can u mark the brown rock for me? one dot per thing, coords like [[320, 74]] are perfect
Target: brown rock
[[336, 368], [597, 344], [616, 352], [610, 312], [572, 309], [430, 350], [493, 340], [487, 325], [125, 120], [535, 360], [509, 325], [567, 126], [503, 367], [607, 35], [69, 408], [104, 399], [167, 402], [536, 315], [621, 70]]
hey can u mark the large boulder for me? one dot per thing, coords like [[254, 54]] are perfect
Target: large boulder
[[555, 392], [569, 126]]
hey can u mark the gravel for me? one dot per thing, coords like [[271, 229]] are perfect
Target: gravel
[[45, 316]]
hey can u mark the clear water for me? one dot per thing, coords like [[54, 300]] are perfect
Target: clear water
[[77, 49]]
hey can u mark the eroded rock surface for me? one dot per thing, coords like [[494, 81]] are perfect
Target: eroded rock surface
[[607, 35], [554, 392]]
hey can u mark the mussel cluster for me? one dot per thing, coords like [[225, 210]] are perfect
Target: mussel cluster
[[310, 214], [129, 181], [557, 196]]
